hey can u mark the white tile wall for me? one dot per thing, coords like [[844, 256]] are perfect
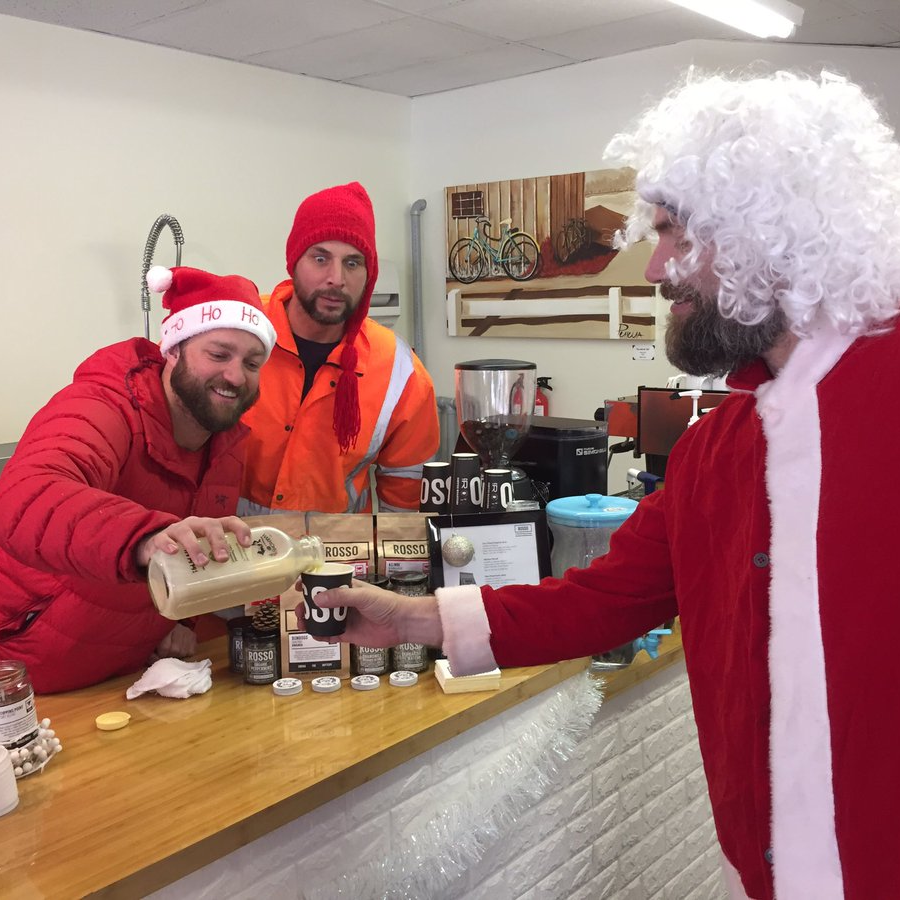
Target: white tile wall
[[628, 819]]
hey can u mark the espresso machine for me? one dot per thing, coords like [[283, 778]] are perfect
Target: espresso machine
[[550, 457], [494, 407], [564, 457]]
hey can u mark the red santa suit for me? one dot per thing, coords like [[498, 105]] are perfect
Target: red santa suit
[[774, 548]]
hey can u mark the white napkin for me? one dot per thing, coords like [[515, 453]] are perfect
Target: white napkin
[[173, 678]]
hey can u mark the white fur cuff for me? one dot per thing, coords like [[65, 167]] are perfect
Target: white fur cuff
[[466, 630]]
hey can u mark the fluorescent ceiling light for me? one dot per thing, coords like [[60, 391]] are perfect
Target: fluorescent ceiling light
[[763, 18]]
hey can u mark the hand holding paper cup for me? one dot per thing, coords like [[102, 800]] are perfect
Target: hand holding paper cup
[[321, 622]]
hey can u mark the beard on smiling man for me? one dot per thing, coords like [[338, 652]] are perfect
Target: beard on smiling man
[[194, 394]]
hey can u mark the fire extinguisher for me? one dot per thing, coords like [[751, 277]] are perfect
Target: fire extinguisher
[[541, 400]]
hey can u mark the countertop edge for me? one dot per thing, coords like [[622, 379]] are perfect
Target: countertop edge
[[164, 871]]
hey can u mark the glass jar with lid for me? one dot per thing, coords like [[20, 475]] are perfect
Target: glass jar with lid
[[409, 657], [582, 527], [371, 660], [18, 716]]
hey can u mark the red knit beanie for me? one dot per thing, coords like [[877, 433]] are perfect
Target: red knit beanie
[[342, 213]]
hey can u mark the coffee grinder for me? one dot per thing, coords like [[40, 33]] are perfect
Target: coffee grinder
[[494, 407]]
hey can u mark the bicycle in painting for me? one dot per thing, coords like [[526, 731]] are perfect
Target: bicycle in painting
[[576, 235], [514, 252]]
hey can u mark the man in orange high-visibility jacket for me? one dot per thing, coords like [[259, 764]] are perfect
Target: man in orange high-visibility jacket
[[340, 393]]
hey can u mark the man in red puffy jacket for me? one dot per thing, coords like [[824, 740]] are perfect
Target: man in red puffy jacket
[[143, 451]]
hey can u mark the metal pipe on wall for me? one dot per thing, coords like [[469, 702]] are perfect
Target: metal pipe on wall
[[415, 221]]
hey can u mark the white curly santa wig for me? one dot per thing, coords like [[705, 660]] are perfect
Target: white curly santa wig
[[792, 181]]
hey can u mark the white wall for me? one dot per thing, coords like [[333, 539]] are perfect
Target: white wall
[[102, 135], [556, 122]]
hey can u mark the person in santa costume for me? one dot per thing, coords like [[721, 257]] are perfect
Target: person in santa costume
[[775, 204], [142, 452]]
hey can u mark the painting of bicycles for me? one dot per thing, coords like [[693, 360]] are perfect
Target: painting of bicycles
[[535, 257]]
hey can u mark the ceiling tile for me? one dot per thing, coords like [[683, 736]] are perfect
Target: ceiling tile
[[870, 6], [412, 47], [847, 29], [416, 6], [518, 20], [107, 16], [653, 30], [889, 18], [236, 29], [476, 68], [817, 10], [381, 48]]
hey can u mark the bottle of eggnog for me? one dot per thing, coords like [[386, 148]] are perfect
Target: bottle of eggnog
[[271, 564]]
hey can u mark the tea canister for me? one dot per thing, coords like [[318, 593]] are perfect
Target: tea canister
[[262, 656], [371, 660], [410, 657]]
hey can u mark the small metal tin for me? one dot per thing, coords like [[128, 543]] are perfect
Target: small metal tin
[[365, 682], [403, 679], [326, 684], [284, 687]]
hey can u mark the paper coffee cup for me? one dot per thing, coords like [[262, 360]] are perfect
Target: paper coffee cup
[[434, 496], [465, 483], [324, 622], [498, 489]]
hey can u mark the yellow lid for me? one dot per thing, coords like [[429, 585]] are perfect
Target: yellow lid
[[112, 721]]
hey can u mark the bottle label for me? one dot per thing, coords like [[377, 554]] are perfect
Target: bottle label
[[370, 660], [263, 546], [260, 664], [306, 654], [18, 722], [411, 657]]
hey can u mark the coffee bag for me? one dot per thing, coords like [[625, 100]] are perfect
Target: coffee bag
[[401, 543]]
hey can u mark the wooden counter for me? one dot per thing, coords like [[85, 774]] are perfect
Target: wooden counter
[[123, 813]]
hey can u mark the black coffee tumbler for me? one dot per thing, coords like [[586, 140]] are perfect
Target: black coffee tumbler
[[465, 483], [498, 490], [434, 496]]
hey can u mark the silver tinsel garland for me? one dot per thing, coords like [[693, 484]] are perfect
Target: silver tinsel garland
[[458, 836]]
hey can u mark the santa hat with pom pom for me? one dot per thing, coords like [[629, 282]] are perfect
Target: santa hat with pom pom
[[342, 213], [199, 301]]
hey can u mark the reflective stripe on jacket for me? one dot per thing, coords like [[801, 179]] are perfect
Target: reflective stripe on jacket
[[293, 461]]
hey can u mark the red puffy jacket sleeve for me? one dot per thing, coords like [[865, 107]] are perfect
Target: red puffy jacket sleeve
[[59, 511]]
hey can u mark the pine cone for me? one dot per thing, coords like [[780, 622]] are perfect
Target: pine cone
[[267, 616]]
